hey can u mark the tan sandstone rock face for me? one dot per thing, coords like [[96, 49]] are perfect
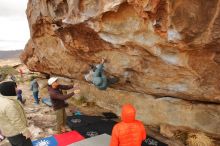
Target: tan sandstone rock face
[[163, 48], [159, 111]]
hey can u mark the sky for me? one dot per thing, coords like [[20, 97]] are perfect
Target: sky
[[14, 31]]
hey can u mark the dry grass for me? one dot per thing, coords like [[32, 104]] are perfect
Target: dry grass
[[6, 70], [199, 139]]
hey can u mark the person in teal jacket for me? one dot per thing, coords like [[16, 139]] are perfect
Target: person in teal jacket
[[98, 78], [35, 89]]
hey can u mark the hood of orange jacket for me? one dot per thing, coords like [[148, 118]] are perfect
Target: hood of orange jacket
[[128, 113]]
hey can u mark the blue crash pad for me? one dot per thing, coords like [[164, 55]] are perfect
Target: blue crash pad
[[49, 141], [47, 101]]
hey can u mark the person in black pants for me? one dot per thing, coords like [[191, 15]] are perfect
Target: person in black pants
[[12, 116], [20, 140]]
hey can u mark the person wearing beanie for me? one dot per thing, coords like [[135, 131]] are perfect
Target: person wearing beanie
[[129, 132], [19, 96], [58, 102], [12, 116]]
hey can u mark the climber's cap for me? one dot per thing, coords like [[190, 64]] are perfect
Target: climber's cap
[[52, 80]]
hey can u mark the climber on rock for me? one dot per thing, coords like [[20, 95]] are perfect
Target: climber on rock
[[97, 77]]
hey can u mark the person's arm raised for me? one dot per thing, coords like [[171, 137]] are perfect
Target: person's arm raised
[[61, 96], [65, 87]]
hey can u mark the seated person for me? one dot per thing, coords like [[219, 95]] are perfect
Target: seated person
[[97, 77], [128, 132], [19, 96]]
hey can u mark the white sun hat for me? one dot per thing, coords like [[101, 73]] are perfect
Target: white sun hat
[[52, 80]]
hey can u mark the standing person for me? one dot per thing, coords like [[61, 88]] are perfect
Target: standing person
[[129, 132], [12, 116], [58, 102], [35, 89]]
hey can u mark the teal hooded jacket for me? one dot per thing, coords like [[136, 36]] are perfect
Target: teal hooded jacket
[[99, 79]]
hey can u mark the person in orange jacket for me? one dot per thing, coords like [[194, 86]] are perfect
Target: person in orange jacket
[[129, 132]]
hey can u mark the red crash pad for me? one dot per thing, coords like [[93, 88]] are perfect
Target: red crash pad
[[68, 138]]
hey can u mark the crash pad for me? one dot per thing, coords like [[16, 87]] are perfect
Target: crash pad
[[88, 131], [47, 101], [98, 128], [104, 126], [100, 140], [81, 120], [68, 138], [48, 141]]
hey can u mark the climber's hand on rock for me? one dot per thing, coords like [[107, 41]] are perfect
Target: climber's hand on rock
[[76, 91], [103, 60], [76, 88]]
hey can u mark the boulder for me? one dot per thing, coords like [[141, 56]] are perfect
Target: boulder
[[165, 53]]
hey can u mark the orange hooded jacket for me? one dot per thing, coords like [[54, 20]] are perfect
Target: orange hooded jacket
[[129, 132]]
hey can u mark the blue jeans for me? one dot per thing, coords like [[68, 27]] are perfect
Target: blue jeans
[[35, 94]]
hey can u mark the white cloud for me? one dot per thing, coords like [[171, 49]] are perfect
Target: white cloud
[[14, 31], [13, 7]]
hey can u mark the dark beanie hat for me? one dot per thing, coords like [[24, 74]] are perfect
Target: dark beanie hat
[[19, 91], [8, 88]]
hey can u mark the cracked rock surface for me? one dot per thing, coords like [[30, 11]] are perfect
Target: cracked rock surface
[[165, 52]]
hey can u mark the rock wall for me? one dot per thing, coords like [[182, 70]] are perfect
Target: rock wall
[[164, 51], [176, 114]]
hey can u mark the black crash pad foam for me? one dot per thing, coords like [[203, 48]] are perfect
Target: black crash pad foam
[[82, 120]]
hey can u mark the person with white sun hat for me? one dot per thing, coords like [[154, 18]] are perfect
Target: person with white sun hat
[[58, 101]]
